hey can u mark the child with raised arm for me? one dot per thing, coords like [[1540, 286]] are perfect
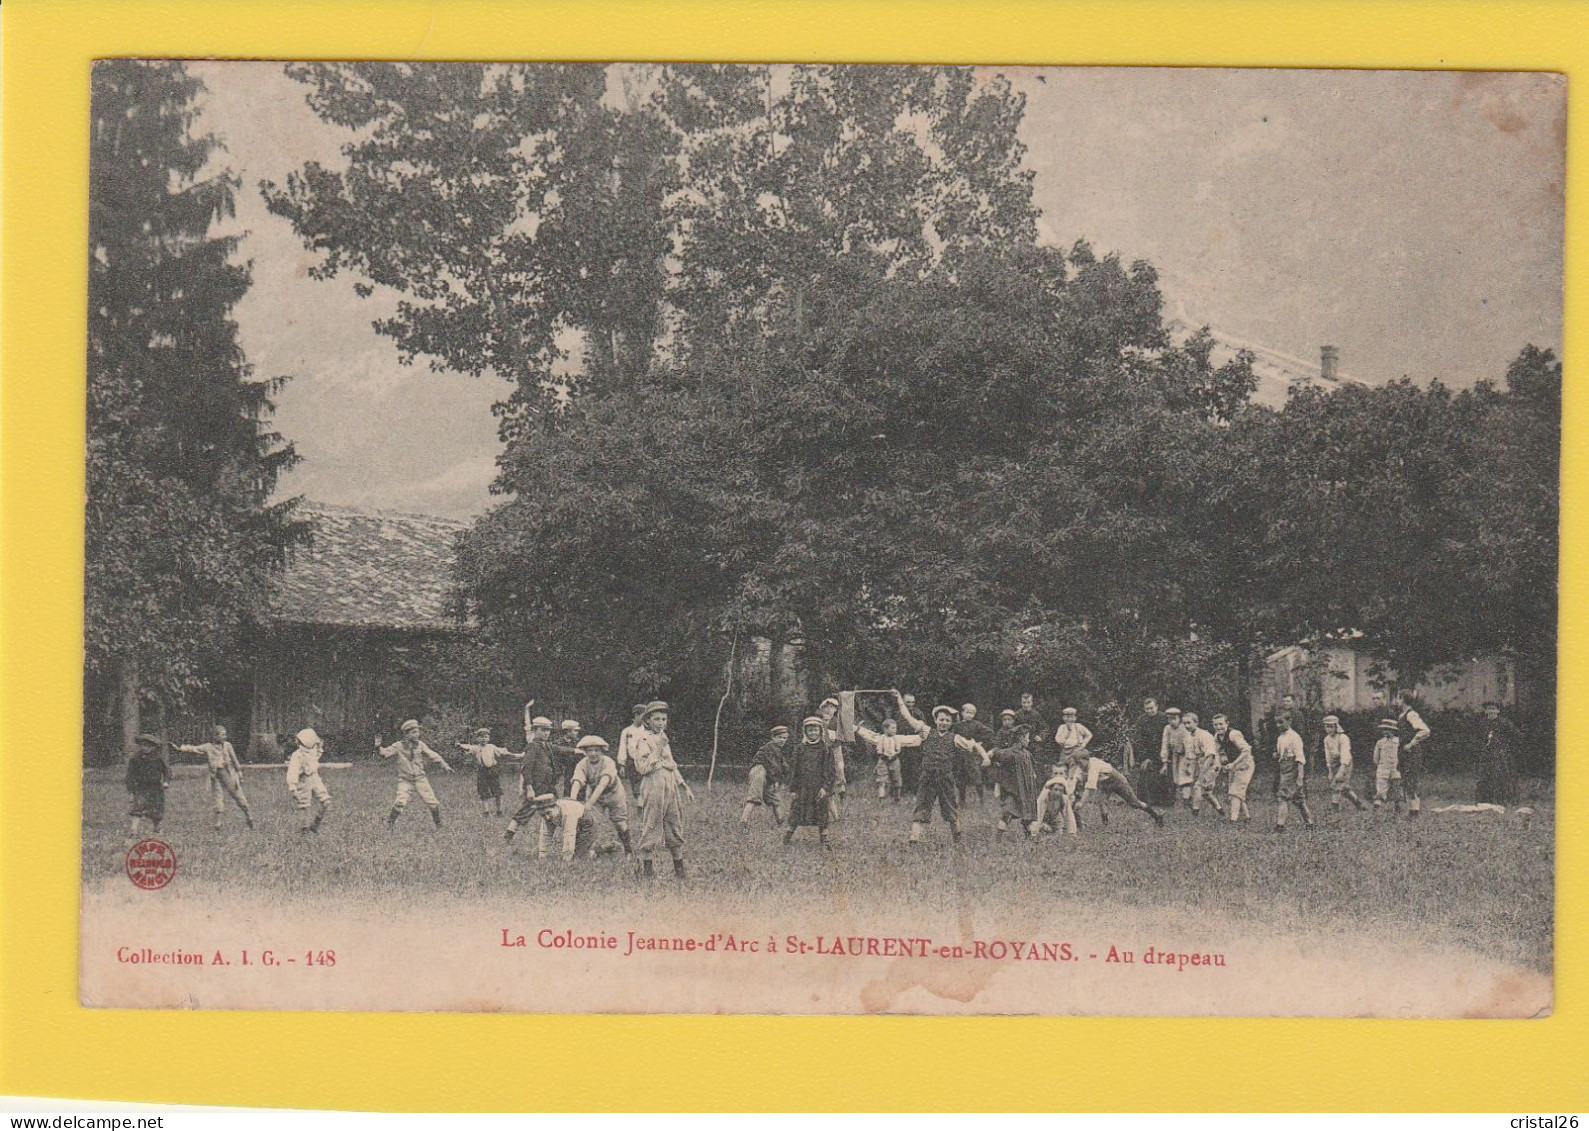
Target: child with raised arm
[[940, 751], [412, 754], [226, 774], [888, 744], [487, 770]]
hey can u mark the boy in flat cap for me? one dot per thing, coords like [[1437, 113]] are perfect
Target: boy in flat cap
[[941, 750], [812, 775], [767, 769], [1072, 738], [1177, 756], [565, 823], [487, 771], [1386, 757], [626, 741], [889, 744], [538, 780], [412, 753], [595, 784], [226, 774], [148, 776], [662, 793]]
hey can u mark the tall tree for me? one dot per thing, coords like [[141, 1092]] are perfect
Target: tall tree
[[514, 209], [519, 209], [954, 480], [181, 459], [1417, 522]]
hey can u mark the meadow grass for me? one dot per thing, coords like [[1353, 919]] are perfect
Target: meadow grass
[[1479, 882]]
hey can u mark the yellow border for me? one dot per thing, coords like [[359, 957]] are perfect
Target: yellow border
[[49, 1046]]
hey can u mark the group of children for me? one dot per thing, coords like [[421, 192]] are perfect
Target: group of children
[[1177, 761], [565, 784], [1191, 761]]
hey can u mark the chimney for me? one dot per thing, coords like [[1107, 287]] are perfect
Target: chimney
[[1329, 364]]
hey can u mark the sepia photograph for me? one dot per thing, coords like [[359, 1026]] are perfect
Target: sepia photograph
[[821, 539]]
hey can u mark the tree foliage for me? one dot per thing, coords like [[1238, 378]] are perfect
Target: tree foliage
[[526, 212], [181, 460], [951, 480], [788, 360]]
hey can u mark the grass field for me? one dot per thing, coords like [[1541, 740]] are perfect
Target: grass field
[[1477, 882]]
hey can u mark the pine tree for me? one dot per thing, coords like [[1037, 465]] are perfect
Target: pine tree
[[181, 535]]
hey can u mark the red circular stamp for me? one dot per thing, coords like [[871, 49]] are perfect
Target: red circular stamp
[[151, 864]]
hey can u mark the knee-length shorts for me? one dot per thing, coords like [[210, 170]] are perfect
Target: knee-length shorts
[[407, 787], [309, 786], [761, 789], [1240, 777], [939, 786]]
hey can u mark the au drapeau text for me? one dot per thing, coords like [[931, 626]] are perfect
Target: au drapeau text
[[625, 944]]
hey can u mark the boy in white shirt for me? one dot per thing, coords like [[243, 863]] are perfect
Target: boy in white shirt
[[226, 774], [1205, 753], [1338, 761], [487, 771], [888, 744], [595, 783], [1293, 758], [565, 822], [303, 779]]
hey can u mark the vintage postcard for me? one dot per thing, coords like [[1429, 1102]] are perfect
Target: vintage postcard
[[823, 539]]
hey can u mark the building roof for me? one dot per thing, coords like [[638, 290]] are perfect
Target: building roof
[[1276, 371], [369, 569]]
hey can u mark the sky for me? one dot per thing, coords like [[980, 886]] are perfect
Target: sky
[[1412, 219]]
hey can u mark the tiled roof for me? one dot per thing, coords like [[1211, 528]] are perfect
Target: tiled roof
[[369, 569]]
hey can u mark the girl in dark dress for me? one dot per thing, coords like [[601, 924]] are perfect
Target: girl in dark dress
[[812, 774]]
